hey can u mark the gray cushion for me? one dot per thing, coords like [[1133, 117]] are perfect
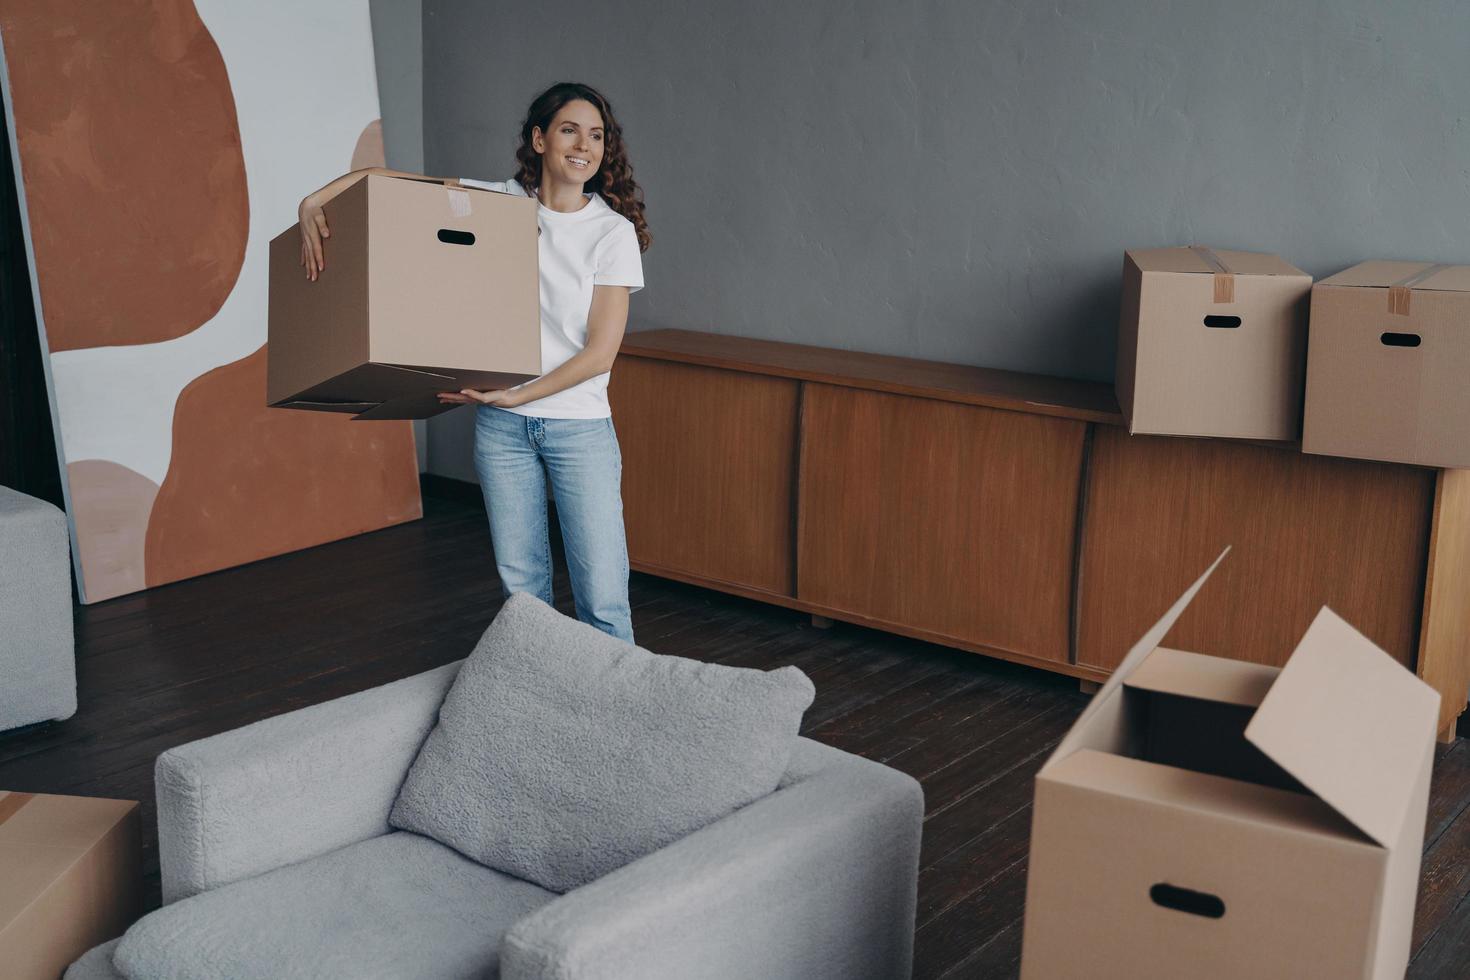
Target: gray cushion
[[399, 906], [95, 964], [562, 753]]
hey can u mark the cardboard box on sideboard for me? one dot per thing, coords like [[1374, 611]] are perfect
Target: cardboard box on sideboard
[[426, 289], [70, 879], [1388, 363], [1212, 343], [1212, 818]]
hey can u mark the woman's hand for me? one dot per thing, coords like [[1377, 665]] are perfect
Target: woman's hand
[[314, 222], [313, 230], [502, 398]]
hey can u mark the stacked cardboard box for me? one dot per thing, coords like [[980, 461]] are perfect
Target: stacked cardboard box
[[1215, 343], [426, 289], [1388, 373], [1212, 343]]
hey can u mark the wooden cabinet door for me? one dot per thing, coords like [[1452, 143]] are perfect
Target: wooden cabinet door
[[709, 458], [1305, 531], [947, 519]]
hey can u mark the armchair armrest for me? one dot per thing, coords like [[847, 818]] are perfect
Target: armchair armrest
[[816, 880], [291, 787]]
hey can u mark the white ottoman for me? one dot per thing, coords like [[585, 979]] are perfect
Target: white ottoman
[[38, 664]]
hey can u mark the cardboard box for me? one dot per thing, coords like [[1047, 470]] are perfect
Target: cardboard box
[[71, 879], [1213, 818], [1388, 362], [1212, 343], [426, 289]]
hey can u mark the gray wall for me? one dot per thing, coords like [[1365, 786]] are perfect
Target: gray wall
[[958, 181], [399, 53]]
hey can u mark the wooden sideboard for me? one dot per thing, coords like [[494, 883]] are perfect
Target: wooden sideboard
[[1013, 515]]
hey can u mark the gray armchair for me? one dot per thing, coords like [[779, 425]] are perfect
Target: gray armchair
[[289, 816]]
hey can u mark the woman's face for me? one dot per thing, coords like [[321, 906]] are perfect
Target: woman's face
[[571, 149]]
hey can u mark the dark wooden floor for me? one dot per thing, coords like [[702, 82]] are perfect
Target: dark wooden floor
[[188, 660]]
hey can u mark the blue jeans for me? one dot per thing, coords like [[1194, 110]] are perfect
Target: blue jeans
[[514, 456]]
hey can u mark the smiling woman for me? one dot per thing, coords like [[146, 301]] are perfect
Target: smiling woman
[[557, 427], [572, 144]]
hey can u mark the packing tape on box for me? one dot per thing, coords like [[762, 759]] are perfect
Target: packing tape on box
[[10, 803], [459, 201], [1224, 278], [1399, 292]]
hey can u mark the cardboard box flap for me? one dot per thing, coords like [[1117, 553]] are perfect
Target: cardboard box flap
[[63, 821], [449, 183], [1351, 724], [1194, 675], [1184, 789], [1196, 260], [1384, 274], [423, 405], [1078, 736]]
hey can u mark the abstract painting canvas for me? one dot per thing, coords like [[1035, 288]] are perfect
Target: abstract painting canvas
[[159, 146]]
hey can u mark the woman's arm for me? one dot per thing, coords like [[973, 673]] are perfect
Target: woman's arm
[[606, 322], [314, 221]]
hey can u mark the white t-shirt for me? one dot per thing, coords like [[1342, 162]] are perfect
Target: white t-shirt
[[593, 246]]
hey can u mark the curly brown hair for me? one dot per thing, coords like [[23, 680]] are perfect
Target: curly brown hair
[[613, 180]]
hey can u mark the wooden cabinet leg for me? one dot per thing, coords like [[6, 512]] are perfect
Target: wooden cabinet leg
[[1444, 640], [1088, 687], [821, 622]]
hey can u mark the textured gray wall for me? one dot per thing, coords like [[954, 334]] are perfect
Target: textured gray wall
[[958, 180], [398, 51]]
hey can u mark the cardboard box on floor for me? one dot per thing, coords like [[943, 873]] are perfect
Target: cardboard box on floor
[[1387, 365], [1212, 818], [70, 879], [426, 289], [1212, 343]]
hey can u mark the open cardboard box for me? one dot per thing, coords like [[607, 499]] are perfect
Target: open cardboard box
[[1212, 818], [426, 289]]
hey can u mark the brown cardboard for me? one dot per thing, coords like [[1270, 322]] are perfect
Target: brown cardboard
[[1212, 818], [1179, 376], [1369, 395], [71, 879], [426, 289]]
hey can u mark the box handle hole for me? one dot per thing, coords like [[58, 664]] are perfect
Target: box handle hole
[[451, 237], [1392, 339], [1187, 900], [1222, 322]]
